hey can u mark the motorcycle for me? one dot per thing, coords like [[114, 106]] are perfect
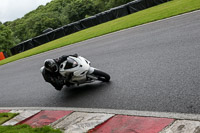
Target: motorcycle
[[77, 70]]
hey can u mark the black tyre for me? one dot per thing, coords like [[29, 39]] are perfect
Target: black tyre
[[102, 76]]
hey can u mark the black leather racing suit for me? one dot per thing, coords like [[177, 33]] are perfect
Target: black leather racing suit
[[55, 78]]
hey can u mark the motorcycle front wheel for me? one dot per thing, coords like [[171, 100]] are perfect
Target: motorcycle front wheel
[[102, 76]]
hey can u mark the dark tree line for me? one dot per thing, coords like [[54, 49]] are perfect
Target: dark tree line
[[54, 14]]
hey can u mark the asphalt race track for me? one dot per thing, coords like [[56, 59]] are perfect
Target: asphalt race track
[[153, 67]]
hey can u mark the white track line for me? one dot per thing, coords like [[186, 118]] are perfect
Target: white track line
[[181, 116]]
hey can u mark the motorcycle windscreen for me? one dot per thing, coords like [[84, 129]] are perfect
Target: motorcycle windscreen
[[70, 64]]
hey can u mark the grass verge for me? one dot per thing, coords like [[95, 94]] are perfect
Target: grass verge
[[27, 129], [6, 116], [172, 8], [22, 128]]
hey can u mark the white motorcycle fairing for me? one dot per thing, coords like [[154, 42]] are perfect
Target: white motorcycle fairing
[[79, 68]]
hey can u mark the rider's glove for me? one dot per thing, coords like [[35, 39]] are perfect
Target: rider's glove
[[75, 55]]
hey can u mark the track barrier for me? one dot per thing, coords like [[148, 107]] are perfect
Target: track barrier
[[114, 13]]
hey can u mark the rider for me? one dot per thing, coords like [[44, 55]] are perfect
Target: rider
[[51, 73]]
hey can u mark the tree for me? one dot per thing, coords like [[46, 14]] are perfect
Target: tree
[[55, 14], [101, 5], [114, 3], [78, 9], [6, 38]]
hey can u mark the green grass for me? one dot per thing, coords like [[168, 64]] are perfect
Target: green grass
[[6, 116], [172, 8], [27, 129], [22, 128]]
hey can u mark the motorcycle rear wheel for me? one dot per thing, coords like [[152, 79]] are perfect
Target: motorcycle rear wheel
[[102, 76]]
